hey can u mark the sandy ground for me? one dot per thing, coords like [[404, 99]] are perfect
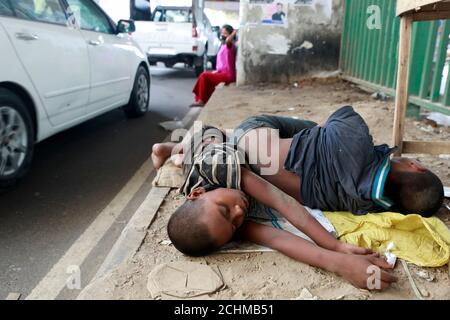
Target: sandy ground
[[272, 275]]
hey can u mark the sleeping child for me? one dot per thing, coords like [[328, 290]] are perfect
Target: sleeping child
[[332, 167]]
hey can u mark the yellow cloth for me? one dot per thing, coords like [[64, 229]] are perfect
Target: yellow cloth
[[422, 241]]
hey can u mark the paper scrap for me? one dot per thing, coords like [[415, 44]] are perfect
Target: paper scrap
[[447, 192]]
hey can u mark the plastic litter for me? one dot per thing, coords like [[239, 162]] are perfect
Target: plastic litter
[[390, 257]]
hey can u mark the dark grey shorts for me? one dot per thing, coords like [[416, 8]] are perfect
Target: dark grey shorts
[[288, 127]]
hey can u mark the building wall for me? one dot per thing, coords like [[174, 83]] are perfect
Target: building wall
[[223, 12], [308, 42]]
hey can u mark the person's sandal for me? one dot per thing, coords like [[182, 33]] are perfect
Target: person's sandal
[[197, 105]]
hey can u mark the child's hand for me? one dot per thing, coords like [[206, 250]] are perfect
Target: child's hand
[[343, 247], [366, 271]]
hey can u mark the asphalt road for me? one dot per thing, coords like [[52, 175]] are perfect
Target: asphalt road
[[74, 176]]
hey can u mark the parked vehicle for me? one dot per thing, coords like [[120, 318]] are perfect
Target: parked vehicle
[[175, 32], [62, 62]]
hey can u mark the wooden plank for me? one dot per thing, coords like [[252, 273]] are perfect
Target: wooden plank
[[426, 147], [432, 15], [423, 103], [404, 6], [401, 101], [432, 106]]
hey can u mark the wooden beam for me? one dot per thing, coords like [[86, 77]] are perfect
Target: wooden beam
[[410, 6], [430, 15], [401, 101], [426, 147]]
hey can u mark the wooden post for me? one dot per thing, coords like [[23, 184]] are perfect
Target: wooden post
[[401, 100]]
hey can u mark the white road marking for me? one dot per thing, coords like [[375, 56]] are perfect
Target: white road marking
[[54, 282], [133, 234]]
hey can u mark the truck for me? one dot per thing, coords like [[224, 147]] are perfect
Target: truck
[[170, 32]]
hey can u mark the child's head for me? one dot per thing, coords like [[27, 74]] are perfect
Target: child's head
[[413, 188], [207, 220]]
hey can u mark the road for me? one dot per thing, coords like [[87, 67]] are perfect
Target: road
[[74, 177]]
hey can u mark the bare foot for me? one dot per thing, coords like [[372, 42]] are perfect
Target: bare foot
[[161, 152]]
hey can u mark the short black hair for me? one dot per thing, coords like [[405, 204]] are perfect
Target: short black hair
[[188, 233], [417, 193], [229, 28]]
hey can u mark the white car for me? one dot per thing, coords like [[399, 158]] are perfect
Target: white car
[[62, 62], [173, 32]]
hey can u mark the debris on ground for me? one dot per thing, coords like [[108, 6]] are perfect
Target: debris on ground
[[183, 280], [379, 96], [390, 257], [172, 125], [306, 295], [13, 296], [425, 275], [439, 118], [447, 192]]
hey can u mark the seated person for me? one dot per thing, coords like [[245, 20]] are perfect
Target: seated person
[[333, 167], [225, 71]]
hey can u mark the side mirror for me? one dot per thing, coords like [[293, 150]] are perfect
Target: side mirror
[[126, 26]]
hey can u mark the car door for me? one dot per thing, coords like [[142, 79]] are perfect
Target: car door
[[109, 54], [54, 54], [213, 40]]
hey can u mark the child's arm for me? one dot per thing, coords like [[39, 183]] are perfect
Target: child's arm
[[294, 212], [354, 268]]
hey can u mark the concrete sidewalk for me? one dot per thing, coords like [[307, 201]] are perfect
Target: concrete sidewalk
[[272, 275]]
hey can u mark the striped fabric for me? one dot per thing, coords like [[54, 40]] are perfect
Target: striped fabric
[[214, 166], [378, 185]]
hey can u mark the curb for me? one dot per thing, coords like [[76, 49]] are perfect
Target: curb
[[136, 229], [134, 233]]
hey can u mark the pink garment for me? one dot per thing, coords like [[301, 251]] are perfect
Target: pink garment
[[226, 62]]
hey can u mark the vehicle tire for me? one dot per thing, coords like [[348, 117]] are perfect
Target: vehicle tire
[[199, 69], [214, 62], [16, 139], [140, 97]]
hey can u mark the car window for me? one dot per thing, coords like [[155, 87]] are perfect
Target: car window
[[5, 9], [158, 16], [89, 16], [173, 15], [140, 10], [40, 10]]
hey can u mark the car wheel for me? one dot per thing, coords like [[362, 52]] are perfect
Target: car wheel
[[16, 139], [140, 97], [204, 66], [214, 62]]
